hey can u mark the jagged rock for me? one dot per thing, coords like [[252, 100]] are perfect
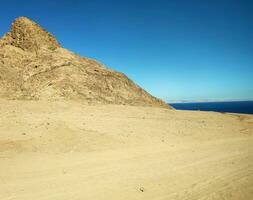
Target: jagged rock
[[34, 66], [29, 36]]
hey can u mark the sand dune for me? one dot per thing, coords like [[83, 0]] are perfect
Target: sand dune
[[66, 150]]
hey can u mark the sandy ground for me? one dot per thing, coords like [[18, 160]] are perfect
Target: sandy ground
[[71, 151]]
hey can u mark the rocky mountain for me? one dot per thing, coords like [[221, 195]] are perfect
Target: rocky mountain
[[34, 66]]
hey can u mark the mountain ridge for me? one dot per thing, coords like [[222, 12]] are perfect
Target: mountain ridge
[[34, 66]]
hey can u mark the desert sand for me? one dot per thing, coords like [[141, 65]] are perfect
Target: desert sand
[[72, 129], [67, 150]]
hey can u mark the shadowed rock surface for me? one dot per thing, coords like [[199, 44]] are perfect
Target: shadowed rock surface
[[34, 66]]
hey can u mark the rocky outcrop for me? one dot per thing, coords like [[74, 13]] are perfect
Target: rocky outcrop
[[29, 36], [34, 66]]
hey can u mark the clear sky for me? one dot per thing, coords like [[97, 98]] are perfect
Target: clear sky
[[175, 49]]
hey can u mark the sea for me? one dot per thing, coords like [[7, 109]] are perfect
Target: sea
[[245, 107]]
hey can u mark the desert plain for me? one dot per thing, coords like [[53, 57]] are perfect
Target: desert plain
[[66, 150], [73, 129]]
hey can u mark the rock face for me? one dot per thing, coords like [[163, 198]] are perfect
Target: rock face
[[34, 66], [29, 36]]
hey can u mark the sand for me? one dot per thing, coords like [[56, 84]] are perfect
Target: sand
[[70, 151]]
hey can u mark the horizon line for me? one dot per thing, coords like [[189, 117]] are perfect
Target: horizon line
[[206, 101]]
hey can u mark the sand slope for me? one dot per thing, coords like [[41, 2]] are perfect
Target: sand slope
[[66, 150]]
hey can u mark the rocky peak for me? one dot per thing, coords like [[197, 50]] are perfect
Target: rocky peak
[[34, 66], [29, 36]]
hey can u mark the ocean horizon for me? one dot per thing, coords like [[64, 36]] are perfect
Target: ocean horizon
[[244, 107]]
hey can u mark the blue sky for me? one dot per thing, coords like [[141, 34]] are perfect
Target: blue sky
[[176, 50]]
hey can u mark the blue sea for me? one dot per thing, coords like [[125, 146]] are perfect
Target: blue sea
[[245, 107]]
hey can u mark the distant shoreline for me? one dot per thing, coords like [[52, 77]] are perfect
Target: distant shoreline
[[243, 107], [207, 101]]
